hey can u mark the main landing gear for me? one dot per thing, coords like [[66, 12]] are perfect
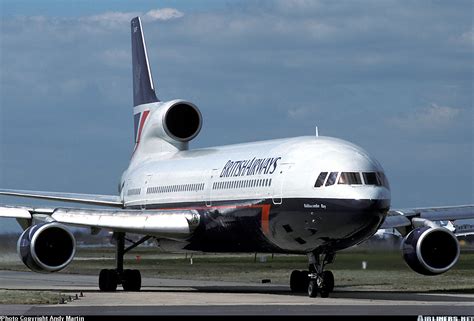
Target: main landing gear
[[315, 280], [130, 280]]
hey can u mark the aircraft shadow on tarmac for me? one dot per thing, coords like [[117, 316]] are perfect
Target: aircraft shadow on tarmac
[[448, 296]]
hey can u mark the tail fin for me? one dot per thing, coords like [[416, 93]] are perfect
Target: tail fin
[[143, 89]]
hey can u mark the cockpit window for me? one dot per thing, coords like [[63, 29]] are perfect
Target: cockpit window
[[351, 178], [320, 180], [371, 179], [383, 179], [331, 179]]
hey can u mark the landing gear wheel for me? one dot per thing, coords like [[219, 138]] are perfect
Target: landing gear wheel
[[108, 280], [320, 281], [312, 288], [299, 281], [324, 291], [131, 280], [328, 280]]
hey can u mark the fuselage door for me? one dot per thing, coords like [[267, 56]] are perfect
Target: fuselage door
[[279, 182], [210, 183], [146, 195]]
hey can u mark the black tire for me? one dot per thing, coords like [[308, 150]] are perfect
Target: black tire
[[131, 280], [108, 280], [295, 281], [313, 289], [328, 281], [304, 281], [299, 281]]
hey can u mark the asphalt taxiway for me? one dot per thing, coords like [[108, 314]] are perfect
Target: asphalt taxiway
[[191, 297]]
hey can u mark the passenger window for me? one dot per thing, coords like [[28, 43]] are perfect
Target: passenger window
[[321, 179], [331, 179]]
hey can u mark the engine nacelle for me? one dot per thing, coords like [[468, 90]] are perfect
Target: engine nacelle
[[46, 247], [176, 121], [430, 250], [182, 121], [170, 127]]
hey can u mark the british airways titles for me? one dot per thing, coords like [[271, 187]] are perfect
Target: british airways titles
[[248, 167]]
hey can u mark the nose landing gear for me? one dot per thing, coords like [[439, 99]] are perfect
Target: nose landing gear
[[316, 280]]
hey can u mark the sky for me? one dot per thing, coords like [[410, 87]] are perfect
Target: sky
[[395, 77]]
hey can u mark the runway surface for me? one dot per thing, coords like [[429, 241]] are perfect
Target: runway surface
[[190, 297]]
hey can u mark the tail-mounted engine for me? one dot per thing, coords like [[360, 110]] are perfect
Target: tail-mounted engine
[[172, 123], [430, 250], [47, 247], [182, 121]]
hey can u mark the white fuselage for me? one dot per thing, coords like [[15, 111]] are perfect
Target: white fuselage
[[199, 176]]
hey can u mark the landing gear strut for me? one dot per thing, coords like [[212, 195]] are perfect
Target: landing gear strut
[[316, 280], [130, 280]]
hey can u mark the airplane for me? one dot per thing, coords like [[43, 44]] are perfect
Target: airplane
[[311, 195]]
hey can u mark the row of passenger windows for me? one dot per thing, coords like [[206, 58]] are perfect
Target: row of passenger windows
[[243, 183], [352, 178], [134, 191], [175, 188]]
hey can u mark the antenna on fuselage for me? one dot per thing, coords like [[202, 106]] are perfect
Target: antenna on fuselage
[[317, 131]]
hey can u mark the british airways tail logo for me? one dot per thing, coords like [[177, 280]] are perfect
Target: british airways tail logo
[[139, 121], [248, 167]]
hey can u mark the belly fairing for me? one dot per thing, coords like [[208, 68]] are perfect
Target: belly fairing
[[295, 226]]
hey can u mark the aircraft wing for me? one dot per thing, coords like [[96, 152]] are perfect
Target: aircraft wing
[[403, 217], [174, 224], [464, 234], [93, 199]]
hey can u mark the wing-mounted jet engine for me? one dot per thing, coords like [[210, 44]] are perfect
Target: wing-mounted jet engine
[[47, 247], [430, 249]]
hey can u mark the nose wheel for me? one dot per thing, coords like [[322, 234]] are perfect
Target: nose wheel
[[299, 281], [322, 284], [316, 279]]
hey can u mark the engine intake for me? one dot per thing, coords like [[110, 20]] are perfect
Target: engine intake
[[430, 251], [182, 121], [47, 247]]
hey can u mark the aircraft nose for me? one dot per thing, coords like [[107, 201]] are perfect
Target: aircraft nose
[[378, 193], [377, 199]]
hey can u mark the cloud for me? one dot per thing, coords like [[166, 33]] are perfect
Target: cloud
[[163, 14], [428, 118], [301, 112], [114, 19], [468, 37]]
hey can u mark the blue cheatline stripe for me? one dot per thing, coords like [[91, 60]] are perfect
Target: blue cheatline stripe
[[136, 121]]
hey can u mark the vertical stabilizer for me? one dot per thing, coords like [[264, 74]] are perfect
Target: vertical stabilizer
[[143, 88]]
